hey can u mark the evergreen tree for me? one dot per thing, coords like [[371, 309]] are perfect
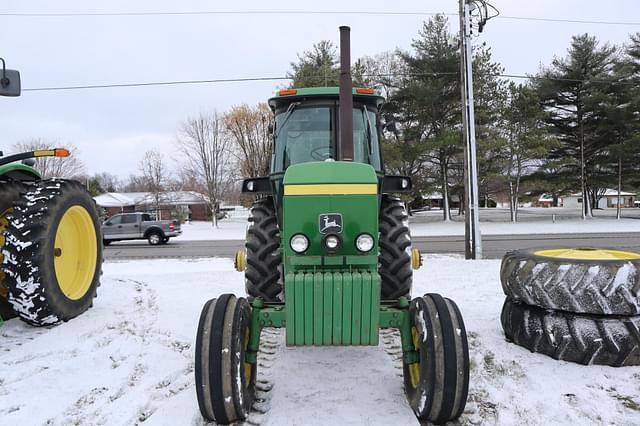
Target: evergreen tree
[[318, 67], [571, 91]]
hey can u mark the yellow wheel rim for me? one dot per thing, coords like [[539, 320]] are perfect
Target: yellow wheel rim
[[414, 369], [248, 367], [75, 252], [589, 254]]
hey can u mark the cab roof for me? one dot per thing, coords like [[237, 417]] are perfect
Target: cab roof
[[285, 96]]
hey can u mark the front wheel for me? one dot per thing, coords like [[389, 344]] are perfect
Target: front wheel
[[437, 385], [225, 382]]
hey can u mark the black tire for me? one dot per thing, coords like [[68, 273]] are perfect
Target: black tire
[[438, 385], [264, 261], [395, 246], [599, 287], [31, 255], [225, 393], [9, 193], [581, 338], [154, 238]]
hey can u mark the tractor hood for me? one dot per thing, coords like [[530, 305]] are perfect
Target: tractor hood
[[332, 198]]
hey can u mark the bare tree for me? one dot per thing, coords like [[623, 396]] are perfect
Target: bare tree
[[69, 167], [207, 147], [154, 175], [249, 129]]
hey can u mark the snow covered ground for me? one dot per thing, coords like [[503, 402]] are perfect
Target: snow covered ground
[[129, 360], [235, 228]]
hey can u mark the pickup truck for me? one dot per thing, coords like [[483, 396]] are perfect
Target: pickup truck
[[139, 226]]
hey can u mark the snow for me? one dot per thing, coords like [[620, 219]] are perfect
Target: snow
[[235, 228], [129, 360], [606, 226]]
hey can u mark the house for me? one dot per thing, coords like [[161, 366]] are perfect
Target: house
[[172, 205], [608, 200]]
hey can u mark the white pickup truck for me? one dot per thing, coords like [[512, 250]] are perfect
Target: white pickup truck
[[139, 226]]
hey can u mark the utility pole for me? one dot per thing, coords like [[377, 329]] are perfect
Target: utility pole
[[473, 239]]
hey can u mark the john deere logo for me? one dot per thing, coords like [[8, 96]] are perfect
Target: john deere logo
[[330, 223]]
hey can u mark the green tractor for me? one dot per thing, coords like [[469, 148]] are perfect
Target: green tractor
[[50, 241], [328, 257]]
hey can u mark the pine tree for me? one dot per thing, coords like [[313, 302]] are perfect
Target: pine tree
[[571, 90]]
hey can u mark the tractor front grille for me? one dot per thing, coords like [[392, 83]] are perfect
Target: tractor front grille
[[332, 308]]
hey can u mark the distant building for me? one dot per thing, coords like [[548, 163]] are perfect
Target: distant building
[[172, 205], [608, 200]]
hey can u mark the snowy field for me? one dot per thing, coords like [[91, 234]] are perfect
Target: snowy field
[[129, 360], [235, 228]]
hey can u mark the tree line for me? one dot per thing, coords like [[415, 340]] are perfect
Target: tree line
[[571, 127]]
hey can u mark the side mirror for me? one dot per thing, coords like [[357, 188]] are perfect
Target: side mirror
[[9, 81], [261, 185], [396, 184]]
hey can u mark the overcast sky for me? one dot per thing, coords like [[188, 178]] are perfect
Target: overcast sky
[[114, 127]]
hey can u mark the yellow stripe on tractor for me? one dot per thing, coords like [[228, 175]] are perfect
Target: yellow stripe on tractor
[[332, 189]]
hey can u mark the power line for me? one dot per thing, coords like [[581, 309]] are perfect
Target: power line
[[153, 83], [259, 79], [298, 12]]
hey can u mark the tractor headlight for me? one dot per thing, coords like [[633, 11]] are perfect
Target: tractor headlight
[[299, 243], [364, 243], [332, 243]]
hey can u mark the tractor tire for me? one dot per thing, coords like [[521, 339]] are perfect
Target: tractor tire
[[438, 384], [263, 276], [9, 193], [225, 383], [581, 338], [395, 249], [53, 252], [583, 280]]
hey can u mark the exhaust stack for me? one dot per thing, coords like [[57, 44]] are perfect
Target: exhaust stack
[[345, 152]]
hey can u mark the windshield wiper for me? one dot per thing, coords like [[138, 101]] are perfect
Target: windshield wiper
[[290, 109]]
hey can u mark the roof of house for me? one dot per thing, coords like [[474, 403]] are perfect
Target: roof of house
[[607, 193], [123, 199]]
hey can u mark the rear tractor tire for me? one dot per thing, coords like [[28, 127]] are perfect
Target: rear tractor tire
[[9, 193], [264, 261], [437, 385], [225, 383], [52, 252], [395, 249]]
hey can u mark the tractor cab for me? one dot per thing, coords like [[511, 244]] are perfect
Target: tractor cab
[[307, 127]]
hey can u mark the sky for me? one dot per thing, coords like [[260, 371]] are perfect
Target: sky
[[112, 128]]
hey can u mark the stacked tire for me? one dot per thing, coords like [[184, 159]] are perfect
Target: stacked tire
[[580, 305]]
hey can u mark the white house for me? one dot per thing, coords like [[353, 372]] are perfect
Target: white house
[[608, 200]]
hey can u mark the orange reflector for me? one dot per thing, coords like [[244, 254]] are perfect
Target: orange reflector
[[365, 91], [287, 92], [61, 152]]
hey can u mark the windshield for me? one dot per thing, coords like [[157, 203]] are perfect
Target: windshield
[[309, 133]]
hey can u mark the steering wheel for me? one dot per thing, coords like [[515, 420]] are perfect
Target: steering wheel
[[321, 153]]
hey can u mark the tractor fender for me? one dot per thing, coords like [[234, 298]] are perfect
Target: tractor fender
[[19, 171]]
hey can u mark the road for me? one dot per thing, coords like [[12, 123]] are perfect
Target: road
[[494, 246]]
